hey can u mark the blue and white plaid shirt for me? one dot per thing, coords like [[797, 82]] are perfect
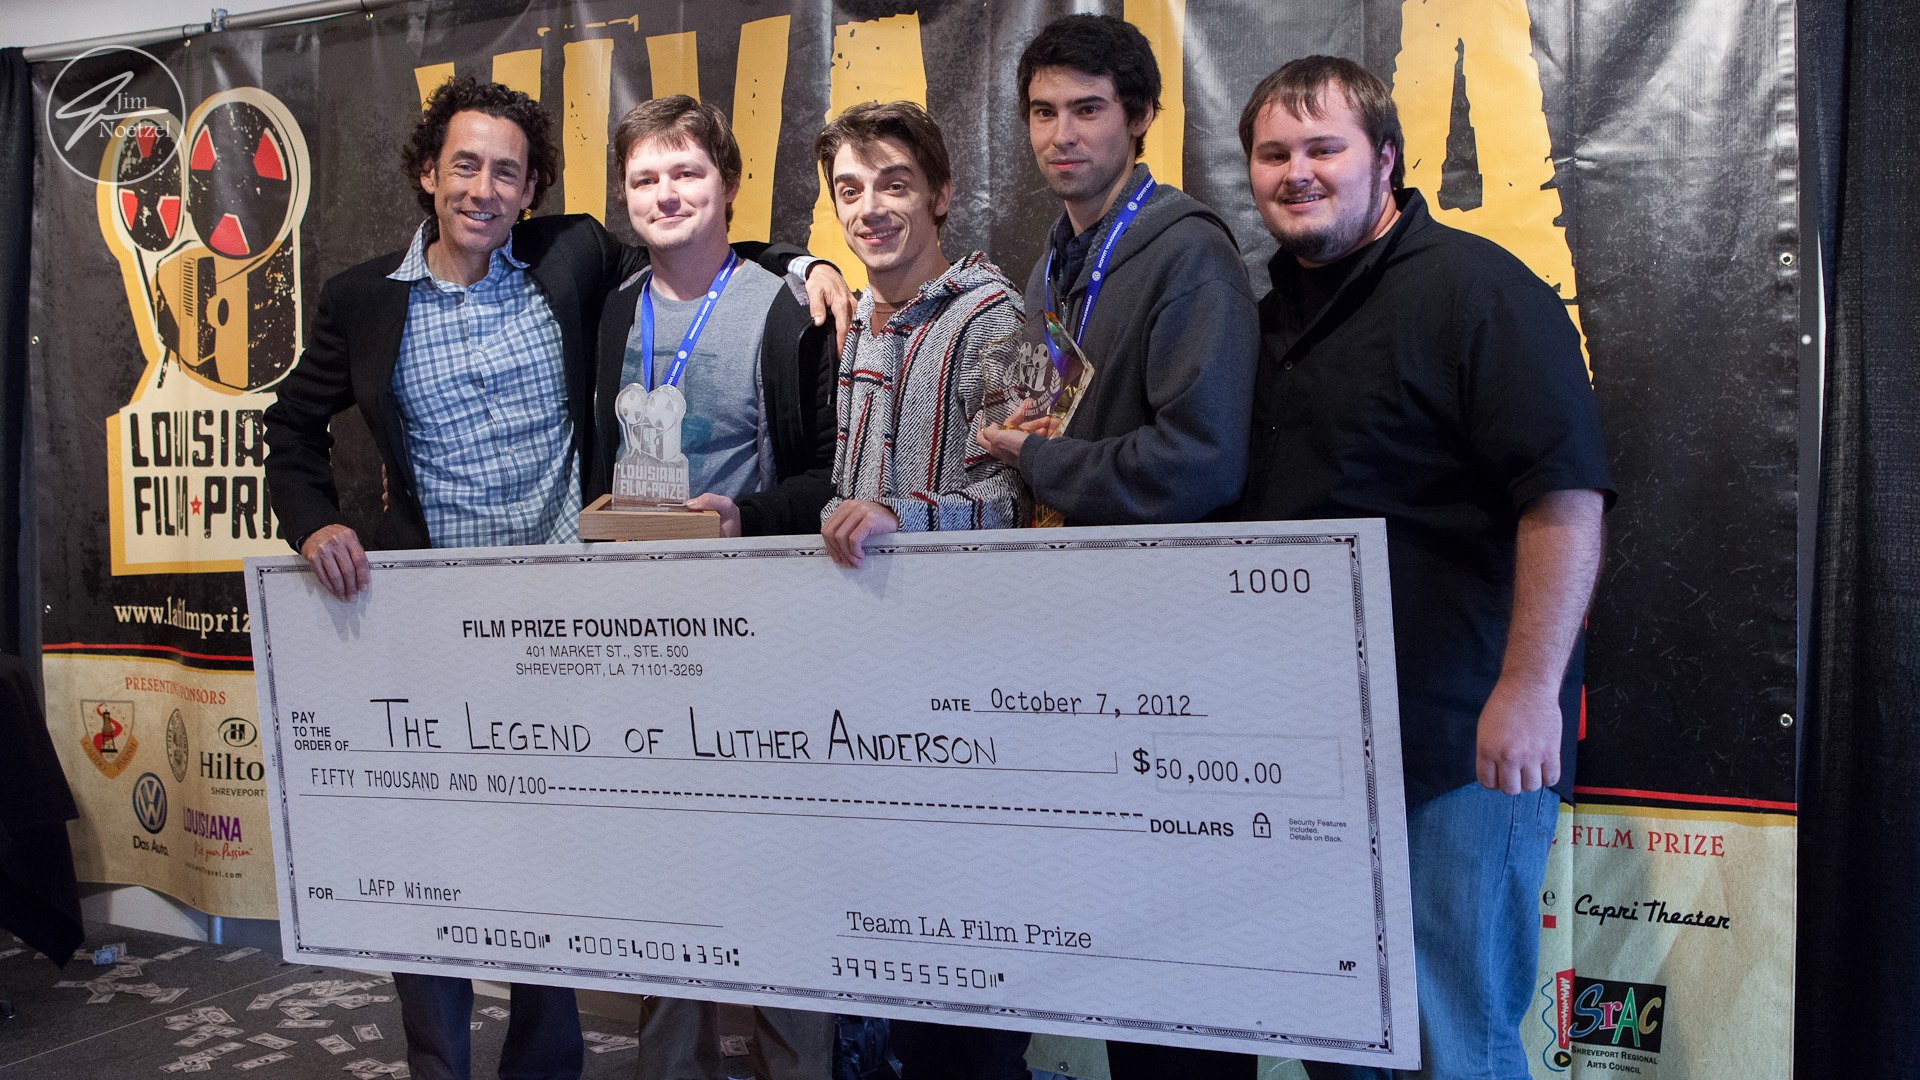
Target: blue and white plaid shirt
[[482, 389]]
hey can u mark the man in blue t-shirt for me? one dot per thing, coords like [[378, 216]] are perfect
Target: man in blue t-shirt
[[755, 379], [755, 376]]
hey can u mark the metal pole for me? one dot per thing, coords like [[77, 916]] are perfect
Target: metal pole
[[292, 13]]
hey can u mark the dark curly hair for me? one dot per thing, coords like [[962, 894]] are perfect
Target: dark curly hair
[[467, 94], [1097, 45]]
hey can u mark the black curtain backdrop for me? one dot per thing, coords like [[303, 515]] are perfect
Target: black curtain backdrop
[[16, 223], [1857, 1000], [1859, 763]]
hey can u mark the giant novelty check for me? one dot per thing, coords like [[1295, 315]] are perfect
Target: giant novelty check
[[1137, 783]]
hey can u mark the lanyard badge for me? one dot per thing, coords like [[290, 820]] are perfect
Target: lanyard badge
[[651, 471], [1128, 211]]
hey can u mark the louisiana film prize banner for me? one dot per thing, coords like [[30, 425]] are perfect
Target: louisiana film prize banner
[[922, 783], [172, 276]]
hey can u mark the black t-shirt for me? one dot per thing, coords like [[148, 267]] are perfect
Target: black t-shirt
[[1433, 380], [1309, 290]]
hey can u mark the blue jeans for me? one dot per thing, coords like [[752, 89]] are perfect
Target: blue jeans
[[1476, 858], [543, 1030]]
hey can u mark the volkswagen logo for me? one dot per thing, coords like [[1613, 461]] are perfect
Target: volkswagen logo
[[150, 802]]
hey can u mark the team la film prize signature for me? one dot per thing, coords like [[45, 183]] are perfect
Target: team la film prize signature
[[949, 928]]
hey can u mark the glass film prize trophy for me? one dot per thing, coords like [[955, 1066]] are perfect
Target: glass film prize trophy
[[651, 482]]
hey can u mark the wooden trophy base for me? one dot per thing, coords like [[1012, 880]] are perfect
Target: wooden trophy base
[[600, 522]]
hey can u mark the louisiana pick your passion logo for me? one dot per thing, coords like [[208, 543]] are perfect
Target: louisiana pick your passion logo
[[105, 96]]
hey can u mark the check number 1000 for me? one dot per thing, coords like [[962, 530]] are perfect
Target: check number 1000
[[1275, 581]]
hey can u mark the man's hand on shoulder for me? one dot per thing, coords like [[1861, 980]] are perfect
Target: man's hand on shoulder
[[1518, 747], [338, 560], [851, 525], [827, 294]]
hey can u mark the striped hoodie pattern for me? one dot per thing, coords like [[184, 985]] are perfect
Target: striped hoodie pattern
[[909, 398]]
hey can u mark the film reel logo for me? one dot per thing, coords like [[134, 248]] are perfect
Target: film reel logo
[[206, 226], [203, 218]]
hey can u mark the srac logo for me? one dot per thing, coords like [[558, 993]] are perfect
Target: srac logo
[[1623, 1014], [1600, 1012]]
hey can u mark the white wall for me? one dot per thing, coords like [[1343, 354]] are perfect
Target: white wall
[[40, 22]]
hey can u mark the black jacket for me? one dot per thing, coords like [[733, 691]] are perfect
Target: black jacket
[[1432, 379], [355, 343], [798, 375], [39, 898]]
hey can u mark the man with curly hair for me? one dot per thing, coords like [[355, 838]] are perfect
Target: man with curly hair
[[456, 349], [470, 356]]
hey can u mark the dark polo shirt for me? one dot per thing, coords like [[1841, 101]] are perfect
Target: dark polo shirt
[[1433, 380]]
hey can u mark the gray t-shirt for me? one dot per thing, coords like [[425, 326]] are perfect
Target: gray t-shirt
[[724, 434]]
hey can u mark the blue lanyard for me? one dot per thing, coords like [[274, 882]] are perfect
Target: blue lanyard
[[1099, 278], [685, 350]]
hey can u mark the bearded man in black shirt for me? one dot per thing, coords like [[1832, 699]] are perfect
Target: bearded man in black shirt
[[1424, 375]]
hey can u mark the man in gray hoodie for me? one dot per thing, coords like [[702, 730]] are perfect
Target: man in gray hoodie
[[1147, 281]]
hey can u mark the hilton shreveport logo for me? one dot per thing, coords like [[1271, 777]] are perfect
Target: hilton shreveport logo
[[231, 768], [1619, 1022]]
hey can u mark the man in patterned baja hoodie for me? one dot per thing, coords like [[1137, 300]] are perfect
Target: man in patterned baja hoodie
[[918, 360]]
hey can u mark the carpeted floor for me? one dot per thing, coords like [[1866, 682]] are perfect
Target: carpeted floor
[[170, 1007]]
